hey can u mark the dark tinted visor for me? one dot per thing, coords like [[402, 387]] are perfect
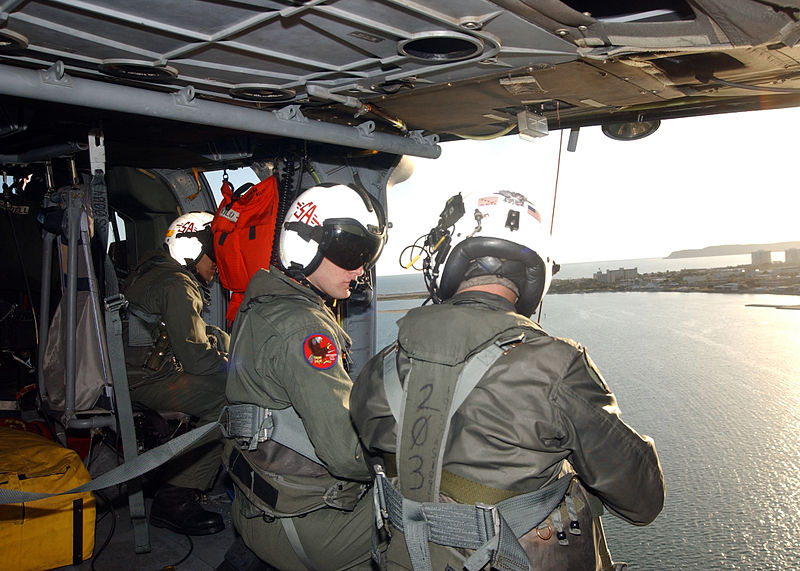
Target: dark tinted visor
[[349, 245]]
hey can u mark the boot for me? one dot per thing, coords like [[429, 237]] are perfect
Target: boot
[[179, 510]]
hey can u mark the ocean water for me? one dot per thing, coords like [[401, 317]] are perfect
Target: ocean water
[[717, 385]]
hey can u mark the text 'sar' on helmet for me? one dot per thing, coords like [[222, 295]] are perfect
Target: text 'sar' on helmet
[[332, 221], [501, 233], [189, 237]]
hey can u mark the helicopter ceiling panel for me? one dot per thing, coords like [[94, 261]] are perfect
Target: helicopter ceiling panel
[[417, 71]]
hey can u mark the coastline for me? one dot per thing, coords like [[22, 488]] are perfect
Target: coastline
[[775, 278], [731, 250]]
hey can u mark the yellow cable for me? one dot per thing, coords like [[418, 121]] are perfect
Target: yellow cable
[[436, 247]]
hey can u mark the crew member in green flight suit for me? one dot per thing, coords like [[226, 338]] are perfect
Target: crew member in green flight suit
[[501, 443], [177, 361], [301, 479]]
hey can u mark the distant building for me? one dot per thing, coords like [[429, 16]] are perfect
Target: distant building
[[761, 257], [792, 256], [614, 276]]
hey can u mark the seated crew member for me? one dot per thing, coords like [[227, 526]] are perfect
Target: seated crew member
[[301, 497], [176, 361], [494, 411]]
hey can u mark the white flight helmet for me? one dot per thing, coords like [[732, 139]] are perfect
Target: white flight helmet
[[189, 237], [332, 221], [499, 234]]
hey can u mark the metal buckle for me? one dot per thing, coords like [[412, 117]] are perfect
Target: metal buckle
[[265, 426], [115, 302], [490, 513], [379, 499]]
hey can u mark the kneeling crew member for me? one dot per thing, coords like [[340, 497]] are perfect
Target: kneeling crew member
[[503, 430], [301, 478]]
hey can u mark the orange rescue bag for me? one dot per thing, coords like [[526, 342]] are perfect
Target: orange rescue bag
[[244, 228]]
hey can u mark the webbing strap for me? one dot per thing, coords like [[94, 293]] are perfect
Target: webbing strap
[[290, 431], [127, 427], [127, 471], [490, 530], [391, 381], [473, 371], [247, 421], [258, 424], [425, 409], [294, 541]]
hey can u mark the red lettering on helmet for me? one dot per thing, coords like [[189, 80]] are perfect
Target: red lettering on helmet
[[306, 212]]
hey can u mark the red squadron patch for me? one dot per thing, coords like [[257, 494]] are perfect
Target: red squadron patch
[[320, 352]]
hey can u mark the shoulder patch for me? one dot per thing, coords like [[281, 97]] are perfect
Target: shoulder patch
[[320, 351]]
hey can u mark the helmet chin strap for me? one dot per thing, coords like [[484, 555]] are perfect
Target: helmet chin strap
[[296, 272]]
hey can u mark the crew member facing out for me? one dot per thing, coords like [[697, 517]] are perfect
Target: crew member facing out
[[501, 443], [176, 361], [301, 478]]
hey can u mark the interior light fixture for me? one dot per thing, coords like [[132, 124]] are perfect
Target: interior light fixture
[[630, 131]]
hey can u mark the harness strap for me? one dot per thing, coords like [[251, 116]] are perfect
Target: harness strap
[[391, 380], [490, 530], [132, 468], [140, 326], [258, 424], [243, 422], [294, 541], [422, 465]]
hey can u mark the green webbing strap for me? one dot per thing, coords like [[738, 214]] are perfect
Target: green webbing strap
[[391, 380], [490, 530], [258, 424], [290, 431], [99, 198], [427, 408], [476, 367], [124, 410], [127, 471]]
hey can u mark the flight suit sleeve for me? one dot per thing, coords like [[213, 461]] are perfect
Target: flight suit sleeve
[[320, 394], [181, 311], [370, 409], [616, 463]]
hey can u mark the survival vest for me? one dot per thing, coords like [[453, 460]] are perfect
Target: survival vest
[[244, 228]]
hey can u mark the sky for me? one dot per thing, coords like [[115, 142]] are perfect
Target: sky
[[695, 182]]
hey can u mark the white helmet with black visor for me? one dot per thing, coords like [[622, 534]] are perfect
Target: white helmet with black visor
[[336, 222]]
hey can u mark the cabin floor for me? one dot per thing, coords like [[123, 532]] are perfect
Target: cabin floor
[[115, 545]]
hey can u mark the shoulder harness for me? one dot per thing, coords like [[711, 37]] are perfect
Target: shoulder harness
[[491, 530]]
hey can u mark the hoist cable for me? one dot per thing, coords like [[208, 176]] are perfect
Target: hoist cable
[[555, 195]]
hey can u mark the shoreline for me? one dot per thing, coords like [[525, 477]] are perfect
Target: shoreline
[[773, 279]]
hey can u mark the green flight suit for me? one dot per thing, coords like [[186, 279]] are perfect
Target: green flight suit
[[193, 382], [289, 351], [541, 410]]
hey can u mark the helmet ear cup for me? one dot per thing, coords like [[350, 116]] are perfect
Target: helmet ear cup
[[494, 256]]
